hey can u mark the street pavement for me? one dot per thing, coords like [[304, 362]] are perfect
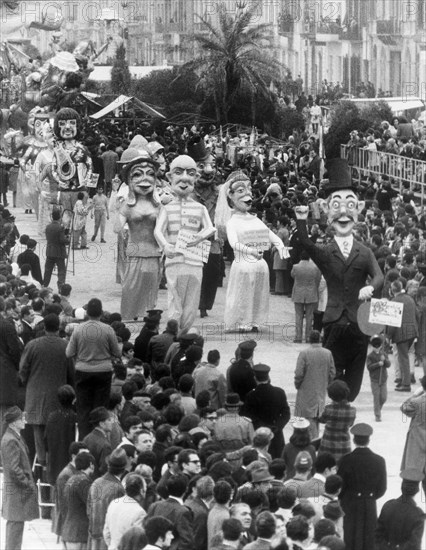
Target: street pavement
[[95, 277]]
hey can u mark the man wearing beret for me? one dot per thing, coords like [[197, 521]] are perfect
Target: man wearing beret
[[401, 522], [364, 481], [19, 490], [276, 415], [350, 270], [240, 375]]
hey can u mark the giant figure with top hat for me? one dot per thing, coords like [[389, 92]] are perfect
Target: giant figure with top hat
[[351, 272]]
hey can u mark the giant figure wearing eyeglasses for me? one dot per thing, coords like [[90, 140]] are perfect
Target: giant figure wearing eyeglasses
[[351, 272]]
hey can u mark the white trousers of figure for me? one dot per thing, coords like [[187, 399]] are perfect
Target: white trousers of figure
[[183, 293]]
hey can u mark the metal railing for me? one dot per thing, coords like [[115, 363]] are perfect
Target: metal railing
[[397, 167]]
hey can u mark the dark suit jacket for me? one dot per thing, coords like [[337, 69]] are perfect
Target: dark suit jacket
[[76, 523], [56, 241], [275, 415], [240, 378], [30, 257], [408, 329], [181, 517], [200, 514], [344, 278], [400, 525], [10, 353], [100, 447]]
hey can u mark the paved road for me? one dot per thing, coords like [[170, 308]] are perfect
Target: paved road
[[95, 276]]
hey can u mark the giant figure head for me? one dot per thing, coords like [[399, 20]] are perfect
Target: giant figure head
[[140, 174], [239, 191], [342, 205], [183, 176], [206, 163], [67, 124]]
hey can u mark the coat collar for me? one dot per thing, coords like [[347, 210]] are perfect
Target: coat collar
[[338, 254]]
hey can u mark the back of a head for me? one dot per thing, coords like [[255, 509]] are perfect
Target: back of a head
[[204, 487], [135, 485], [297, 528], [51, 322], [265, 525], [324, 461], [83, 460], [157, 527], [232, 529], [332, 542], [323, 528], [56, 214], [94, 308], [25, 269], [133, 539], [176, 485]]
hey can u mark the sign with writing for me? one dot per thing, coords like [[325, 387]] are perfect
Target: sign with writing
[[198, 252], [93, 182], [258, 238], [385, 312]]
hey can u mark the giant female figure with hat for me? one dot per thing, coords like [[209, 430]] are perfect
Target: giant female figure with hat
[[139, 212], [247, 296], [350, 270]]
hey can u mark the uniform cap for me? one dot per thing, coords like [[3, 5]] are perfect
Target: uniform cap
[[362, 429], [261, 368], [248, 345]]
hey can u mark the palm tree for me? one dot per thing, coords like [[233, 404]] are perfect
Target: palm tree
[[235, 57]]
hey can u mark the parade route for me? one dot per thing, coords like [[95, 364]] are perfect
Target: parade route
[[95, 277]]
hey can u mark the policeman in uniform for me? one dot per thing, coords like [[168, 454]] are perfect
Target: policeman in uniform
[[364, 481], [401, 522], [277, 412], [240, 374]]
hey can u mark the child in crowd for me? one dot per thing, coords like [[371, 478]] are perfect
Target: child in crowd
[[377, 365]]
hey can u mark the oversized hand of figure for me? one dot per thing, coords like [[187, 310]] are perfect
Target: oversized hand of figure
[[366, 292], [302, 212], [284, 253], [169, 251]]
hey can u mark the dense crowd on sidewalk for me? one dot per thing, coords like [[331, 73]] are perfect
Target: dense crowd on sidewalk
[[147, 445]]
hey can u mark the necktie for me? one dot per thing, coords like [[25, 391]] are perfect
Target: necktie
[[346, 249]]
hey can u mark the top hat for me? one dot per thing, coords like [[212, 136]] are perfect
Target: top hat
[[339, 176]]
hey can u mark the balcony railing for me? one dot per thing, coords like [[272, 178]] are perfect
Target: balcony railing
[[397, 167]]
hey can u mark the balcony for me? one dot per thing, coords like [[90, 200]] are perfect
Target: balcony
[[285, 24], [353, 34]]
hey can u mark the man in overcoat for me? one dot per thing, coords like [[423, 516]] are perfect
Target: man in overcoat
[[103, 491], [56, 251], [19, 490], [364, 481], [314, 372], [277, 412], [44, 368], [350, 270], [401, 523]]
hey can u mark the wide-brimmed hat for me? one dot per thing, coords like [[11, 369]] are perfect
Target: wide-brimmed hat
[[262, 474], [233, 400]]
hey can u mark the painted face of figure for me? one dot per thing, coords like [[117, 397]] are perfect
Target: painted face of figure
[[142, 179], [68, 128], [48, 136], [343, 208], [183, 175], [39, 127], [241, 196], [206, 170]]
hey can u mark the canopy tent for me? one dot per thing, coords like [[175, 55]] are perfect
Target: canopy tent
[[123, 100], [188, 119]]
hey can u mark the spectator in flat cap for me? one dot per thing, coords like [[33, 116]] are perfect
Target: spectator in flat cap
[[364, 481], [19, 490], [401, 522], [303, 467], [97, 441], [276, 415]]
